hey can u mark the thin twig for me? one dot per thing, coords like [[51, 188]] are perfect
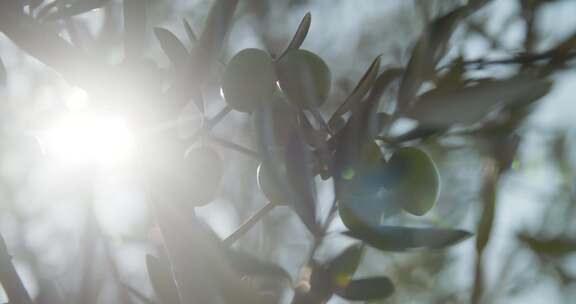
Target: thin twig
[[520, 59], [248, 224], [236, 147], [210, 124]]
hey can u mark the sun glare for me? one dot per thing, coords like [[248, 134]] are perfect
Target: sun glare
[[89, 140]]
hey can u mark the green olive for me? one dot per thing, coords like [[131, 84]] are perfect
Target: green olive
[[249, 80], [274, 183], [203, 175], [360, 166], [304, 78], [413, 180], [360, 211]]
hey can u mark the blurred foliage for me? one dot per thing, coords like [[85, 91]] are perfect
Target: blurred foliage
[[271, 166]]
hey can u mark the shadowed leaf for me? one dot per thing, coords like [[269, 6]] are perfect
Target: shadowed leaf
[[368, 289], [342, 267], [554, 247], [172, 46], [359, 91], [429, 49], [202, 271], [392, 238], [248, 265]]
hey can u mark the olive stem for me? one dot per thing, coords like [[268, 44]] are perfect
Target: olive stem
[[233, 146], [318, 117], [232, 238], [211, 123]]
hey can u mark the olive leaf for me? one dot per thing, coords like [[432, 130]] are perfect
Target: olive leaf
[[162, 280], [429, 49], [394, 238], [172, 46], [248, 265], [3, 73], [134, 28], [359, 91], [301, 177], [300, 34], [64, 8], [559, 246], [367, 289], [190, 32], [442, 108], [342, 267], [203, 273]]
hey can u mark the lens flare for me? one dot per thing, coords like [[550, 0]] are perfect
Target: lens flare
[[85, 139]]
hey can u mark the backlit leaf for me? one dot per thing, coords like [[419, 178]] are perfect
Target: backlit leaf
[[300, 34], [440, 108], [172, 46]]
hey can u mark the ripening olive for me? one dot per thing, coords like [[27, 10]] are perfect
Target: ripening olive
[[304, 78], [204, 174], [413, 180], [249, 80], [273, 182]]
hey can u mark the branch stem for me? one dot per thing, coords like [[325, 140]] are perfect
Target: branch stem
[[248, 224]]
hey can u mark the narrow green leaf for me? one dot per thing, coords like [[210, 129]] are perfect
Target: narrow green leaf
[[248, 265], [172, 46], [559, 246], [443, 108], [368, 289], [162, 280], [300, 34], [392, 238], [193, 39], [3, 73], [429, 49], [342, 267], [134, 28], [359, 91]]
